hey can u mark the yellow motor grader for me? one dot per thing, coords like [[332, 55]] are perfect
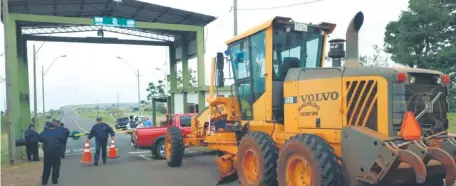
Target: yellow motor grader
[[293, 123]]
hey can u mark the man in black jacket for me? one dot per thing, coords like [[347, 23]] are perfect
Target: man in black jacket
[[101, 132], [31, 147], [52, 143], [65, 133]]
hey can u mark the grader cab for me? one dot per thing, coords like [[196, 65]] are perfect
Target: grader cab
[[292, 122]]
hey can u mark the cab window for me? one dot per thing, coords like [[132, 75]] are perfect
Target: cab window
[[185, 121], [240, 58], [301, 48], [258, 50], [240, 55]]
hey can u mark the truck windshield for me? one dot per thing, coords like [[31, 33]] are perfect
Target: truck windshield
[[185, 121], [301, 48]]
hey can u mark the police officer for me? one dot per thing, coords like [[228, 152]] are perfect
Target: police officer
[[101, 132], [52, 143], [65, 133], [31, 147]]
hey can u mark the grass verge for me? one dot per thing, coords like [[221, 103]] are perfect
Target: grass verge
[[92, 115], [22, 174], [452, 121]]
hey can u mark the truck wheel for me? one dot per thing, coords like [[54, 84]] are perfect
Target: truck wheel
[[159, 149], [174, 147], [257, 157], [308, 160]]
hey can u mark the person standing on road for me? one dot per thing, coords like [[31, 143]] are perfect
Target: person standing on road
[[131, 122], [101, 132], [147, 122], [52, 143], [65, 134], [31, 147]]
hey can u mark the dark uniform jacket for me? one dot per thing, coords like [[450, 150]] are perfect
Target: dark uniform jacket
[[65, 133], [101, 131], [52, 140], [31, 136]]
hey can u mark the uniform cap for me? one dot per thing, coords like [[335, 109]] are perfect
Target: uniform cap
[[98, 118]]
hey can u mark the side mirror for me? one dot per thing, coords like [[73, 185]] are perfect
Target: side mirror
[[220, 61], [220, 79]]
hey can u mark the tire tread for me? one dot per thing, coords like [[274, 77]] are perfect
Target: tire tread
[[177, 147], [269, 154], [330, 170]]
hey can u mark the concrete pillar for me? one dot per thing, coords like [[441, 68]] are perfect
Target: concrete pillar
[[200, 70], [173, 75], [185, 73]]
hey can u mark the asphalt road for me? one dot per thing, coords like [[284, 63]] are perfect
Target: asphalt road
[[132, 167]]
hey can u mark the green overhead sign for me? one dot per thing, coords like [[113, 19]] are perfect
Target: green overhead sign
[[114, 21]]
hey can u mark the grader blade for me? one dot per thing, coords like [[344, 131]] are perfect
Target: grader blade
[[226, 168]]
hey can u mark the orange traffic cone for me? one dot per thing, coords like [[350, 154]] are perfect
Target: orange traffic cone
[[112, 151], [86, 155]]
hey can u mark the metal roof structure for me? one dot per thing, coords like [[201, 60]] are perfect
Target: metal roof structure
[[130, 9]]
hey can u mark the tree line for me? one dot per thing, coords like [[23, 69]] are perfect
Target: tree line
[[424, 36]]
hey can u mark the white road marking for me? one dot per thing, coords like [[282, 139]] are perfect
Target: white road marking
[[139, 152], [146, 157], [71, 151]]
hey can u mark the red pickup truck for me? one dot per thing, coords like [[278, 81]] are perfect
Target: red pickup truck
[[153, 138]]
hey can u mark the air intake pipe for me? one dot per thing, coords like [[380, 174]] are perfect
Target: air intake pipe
[[351, 58], [336, 51]]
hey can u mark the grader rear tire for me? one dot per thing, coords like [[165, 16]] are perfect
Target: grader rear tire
[[308, 160], [174, 147], [257, 157]]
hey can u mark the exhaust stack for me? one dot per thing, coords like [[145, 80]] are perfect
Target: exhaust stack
[[351, 58]]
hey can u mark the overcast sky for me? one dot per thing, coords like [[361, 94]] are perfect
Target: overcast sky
[[91, 72]]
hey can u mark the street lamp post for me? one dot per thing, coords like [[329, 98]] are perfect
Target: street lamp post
[[42, 79], [137, 76], [35, 100], [165, 75]]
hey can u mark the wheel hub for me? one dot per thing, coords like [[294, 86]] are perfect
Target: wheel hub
[[162, 150], [167, 148], [298, 171], [251, 166]]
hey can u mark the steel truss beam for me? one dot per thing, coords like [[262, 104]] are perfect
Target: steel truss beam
[[95, 40], [73, 29]]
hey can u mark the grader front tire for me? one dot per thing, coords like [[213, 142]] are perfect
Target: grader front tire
[[308, 160], [257, 157], [174, 147]]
